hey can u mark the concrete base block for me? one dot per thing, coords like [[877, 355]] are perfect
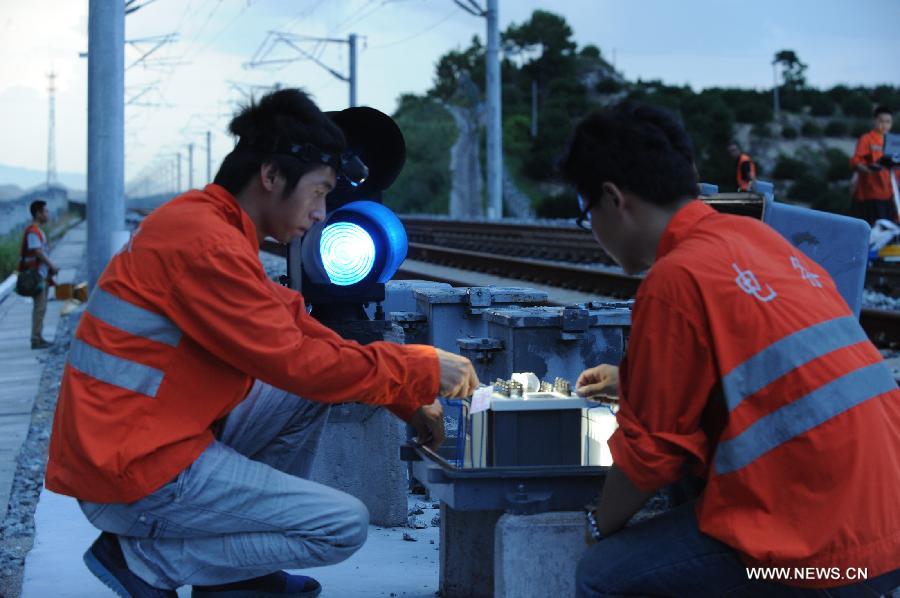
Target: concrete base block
[[360, 455], [467, 553], [536, 555]]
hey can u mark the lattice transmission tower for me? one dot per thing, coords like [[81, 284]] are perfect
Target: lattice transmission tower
[[51, 132]]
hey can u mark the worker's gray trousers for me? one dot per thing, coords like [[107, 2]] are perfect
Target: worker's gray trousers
[[243, 508]]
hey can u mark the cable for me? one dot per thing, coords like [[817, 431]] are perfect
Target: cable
[[423, 32]]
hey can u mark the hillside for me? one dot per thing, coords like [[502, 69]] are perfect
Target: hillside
[[804, 150]]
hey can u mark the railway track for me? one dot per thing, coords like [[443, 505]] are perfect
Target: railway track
[[882, 326], [558, 243]]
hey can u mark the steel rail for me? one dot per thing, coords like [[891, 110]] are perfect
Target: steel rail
[[882, 326]]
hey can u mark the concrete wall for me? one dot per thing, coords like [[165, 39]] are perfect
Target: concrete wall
[[14, 214]]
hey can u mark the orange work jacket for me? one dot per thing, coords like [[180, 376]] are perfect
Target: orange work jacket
[[181, 322], [28, 257], [746, 366], [871, 185], [742, 181]]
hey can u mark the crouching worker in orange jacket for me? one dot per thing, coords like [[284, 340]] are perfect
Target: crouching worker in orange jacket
[[196, 389], [746, 369]]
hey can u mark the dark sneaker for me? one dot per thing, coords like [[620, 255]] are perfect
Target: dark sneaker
[[280, 584], [105, 560], [41, 344]]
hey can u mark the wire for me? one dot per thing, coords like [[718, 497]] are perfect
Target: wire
[[423, 32]]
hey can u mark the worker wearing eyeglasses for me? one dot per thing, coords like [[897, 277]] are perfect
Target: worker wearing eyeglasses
[[744, 369]]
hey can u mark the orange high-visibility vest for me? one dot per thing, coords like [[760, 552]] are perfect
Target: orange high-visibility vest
[[28, 257], [744, 183]]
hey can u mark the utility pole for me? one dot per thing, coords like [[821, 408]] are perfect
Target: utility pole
[[493, 108], [775, 104], [352, 42], [178, 187], [190, 166], [106, 132], [51, 132], [208, 158], [534, 108], [276, 38], [494, 134]]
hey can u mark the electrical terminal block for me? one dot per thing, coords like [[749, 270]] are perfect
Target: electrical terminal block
[[514, 388], [562, 386]]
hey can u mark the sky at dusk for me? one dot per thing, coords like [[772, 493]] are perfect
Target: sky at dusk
[[195, 83]]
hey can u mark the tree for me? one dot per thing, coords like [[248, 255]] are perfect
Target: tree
[[549, 36], [453, 64], [792, 70]]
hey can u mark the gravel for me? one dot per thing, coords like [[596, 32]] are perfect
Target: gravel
[[873, 300], [17, 526]]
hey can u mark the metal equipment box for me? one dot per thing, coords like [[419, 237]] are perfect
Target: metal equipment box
[[549, 341], [456, 313]]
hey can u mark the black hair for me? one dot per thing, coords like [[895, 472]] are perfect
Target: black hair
[[882, 110], [280, 118], [36, 206], [641, 149]]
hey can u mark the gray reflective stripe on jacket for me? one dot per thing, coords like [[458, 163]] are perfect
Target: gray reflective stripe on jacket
[[802, 415], [134, 320], [114, 370], [787, 354]]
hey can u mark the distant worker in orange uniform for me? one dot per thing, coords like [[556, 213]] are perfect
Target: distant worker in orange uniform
[[196, 389], [873, 197], [745, 370], [34, 254], [745, 168]]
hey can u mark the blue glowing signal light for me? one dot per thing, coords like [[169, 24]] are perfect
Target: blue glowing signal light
[[348, 253]]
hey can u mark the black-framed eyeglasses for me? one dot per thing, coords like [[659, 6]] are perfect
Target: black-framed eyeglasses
[[584, 217]]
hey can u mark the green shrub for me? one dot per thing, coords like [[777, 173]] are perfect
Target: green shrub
[[836, 128], [820, 104], [860, 128], [9, 254], [557, 206], [789, 132], [835, 199], [858, 105], [809, 188], [886, 95], [763, 131], [839, 93], [790, 100], [789, 168], [424, 183], [838, 165], [608, 85], [754, 112], [811, 129]]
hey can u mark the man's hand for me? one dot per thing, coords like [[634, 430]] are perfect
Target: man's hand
[[600, 380], [428, 422], [458, 378], [54, 270]]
